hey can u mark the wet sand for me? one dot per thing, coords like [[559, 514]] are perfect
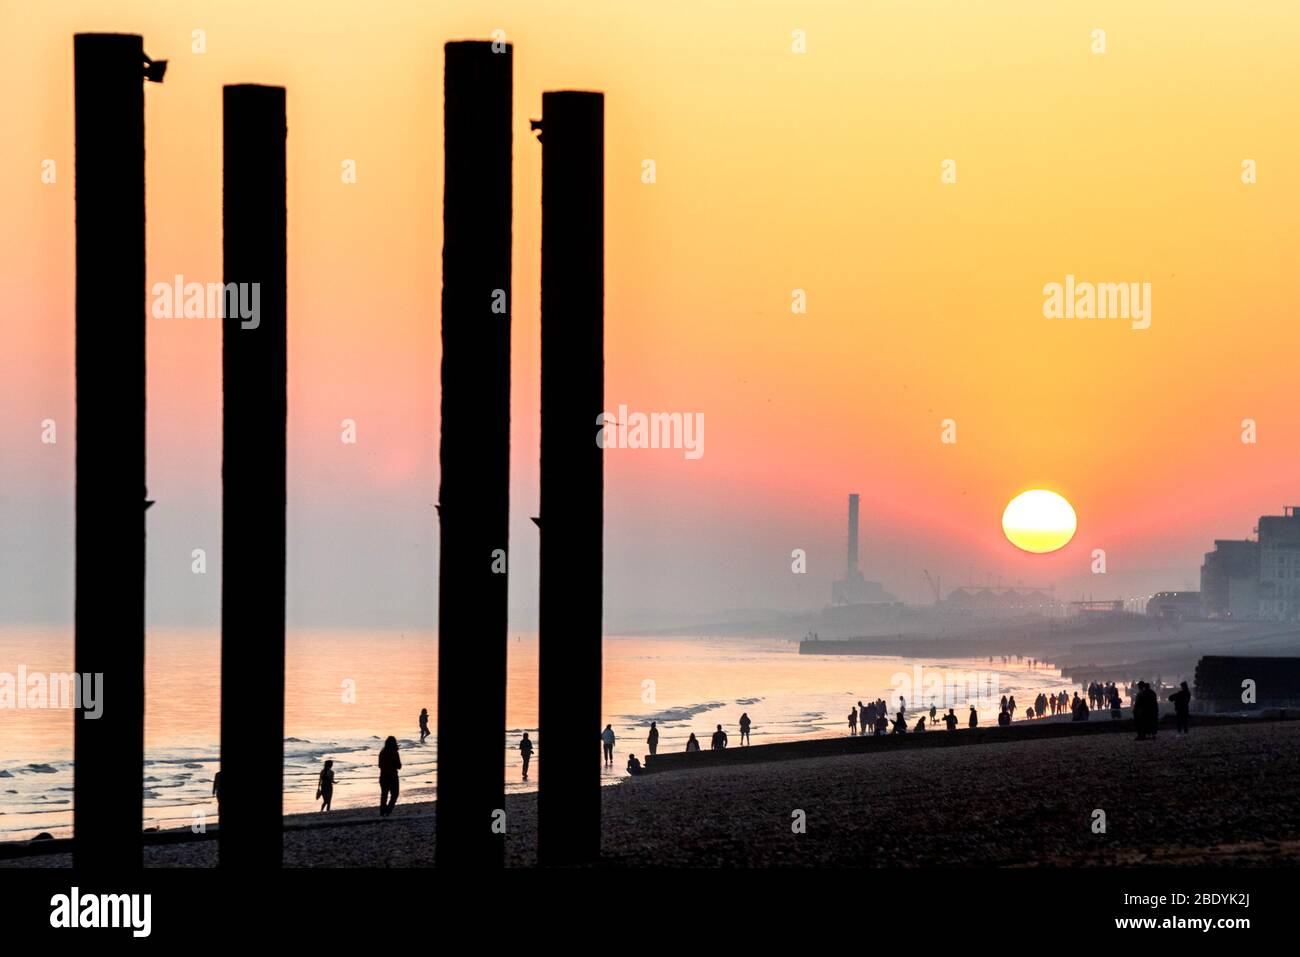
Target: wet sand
[[1226, 795]]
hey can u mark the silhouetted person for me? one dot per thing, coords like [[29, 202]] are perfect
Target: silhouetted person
[[526, 752], [216, 790], [1146, 711], [607, 739], [653, 738], [692, 744], [863, 717], [389, 764], [900, 723], [719, 739], [1081, 710], [424, 724], [744, 729], [920, 724], [853, 721], [1004, 718], [325, 786], [933, 713], [974, 718], [1182, 699], [950, 719], [633, 765], [882, 723]]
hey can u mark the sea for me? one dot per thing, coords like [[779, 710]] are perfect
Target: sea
[[346, 691]]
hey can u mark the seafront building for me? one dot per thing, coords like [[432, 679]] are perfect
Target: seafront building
[[1257, 578]]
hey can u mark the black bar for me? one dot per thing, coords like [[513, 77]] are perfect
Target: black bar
[[474, 491], [572, 480], [108, 754], [253, 478]]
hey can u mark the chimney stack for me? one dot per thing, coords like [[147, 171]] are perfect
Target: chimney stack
[[853, 537]]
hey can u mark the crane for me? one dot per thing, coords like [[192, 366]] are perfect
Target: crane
[[934, 585]]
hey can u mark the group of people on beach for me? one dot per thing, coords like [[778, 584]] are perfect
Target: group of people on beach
[[718, 742], [871, 718], [874, 719], [389, 763]]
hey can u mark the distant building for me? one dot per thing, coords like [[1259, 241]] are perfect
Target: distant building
[[1101, 608], [1176, 605], [1230, 580], [1279, 566], [853, 589], [1001, 602]]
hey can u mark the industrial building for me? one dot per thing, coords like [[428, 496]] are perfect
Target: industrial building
[[853, 589]]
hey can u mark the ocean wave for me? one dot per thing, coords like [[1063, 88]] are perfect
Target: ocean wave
[[672, 715]]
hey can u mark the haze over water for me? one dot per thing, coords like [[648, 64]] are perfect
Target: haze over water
[[686, 684]]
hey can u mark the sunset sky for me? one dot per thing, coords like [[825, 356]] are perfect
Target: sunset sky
[[775, 171]]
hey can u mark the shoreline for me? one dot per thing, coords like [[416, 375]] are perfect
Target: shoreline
[[1027, 802]]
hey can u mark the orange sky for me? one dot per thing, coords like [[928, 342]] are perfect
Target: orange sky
[[775, 171]]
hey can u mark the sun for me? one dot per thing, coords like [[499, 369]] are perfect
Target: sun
[[1039, 521]]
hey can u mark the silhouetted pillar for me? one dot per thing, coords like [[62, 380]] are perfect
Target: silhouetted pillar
[[253, 370], [572, 480], [474, 494], [108, 754]]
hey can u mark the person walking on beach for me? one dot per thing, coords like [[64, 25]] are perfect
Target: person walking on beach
[[974, 718], [744, 728], [719, 739], [862, 715], [325, 786], [653, 739], [1182, 699], [526, 752], [424, 724], [853, 722], [216, 790], [607, 738], [692, 744], [932, 711], [950, 719], [389, 764]]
